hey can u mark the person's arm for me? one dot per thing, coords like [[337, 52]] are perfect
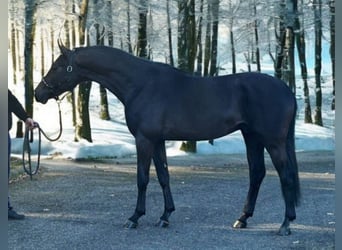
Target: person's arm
[[15, 107]]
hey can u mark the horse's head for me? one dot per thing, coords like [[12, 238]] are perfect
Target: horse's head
[[60, 78]]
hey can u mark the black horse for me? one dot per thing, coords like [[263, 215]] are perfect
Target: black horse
[[163, 103]]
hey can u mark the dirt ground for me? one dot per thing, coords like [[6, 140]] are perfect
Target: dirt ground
[[84, 205]]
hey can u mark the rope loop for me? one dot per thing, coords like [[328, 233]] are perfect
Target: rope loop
[[29, 138]]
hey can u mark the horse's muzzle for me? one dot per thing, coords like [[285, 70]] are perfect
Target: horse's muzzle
[[40, 99], [42, 94]]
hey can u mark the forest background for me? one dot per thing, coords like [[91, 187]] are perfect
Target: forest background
[[291, 39]]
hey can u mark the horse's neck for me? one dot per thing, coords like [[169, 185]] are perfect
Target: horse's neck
[[113, 73]]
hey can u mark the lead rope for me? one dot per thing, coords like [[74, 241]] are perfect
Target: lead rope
[[28, 138]]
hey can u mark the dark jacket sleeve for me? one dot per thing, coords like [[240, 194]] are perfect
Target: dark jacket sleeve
[[15, 107]]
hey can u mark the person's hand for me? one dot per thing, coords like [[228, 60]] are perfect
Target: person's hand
[[30, 123]]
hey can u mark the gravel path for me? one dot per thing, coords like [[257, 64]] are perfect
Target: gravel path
[[84, 205]]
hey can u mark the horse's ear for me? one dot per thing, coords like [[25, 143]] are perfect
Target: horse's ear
[[64, 50]]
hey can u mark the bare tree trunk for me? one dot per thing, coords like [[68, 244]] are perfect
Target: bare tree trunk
[[70, 31], [142, 30], [199, 42], [187, 46], [232, 45], [215, 16], [12, 43], [103, 91], [109, 9], [207, 45], [42, 53], [74, 26], [83, 129], [256, 34], [288, 64], [186, 36], [169, 32], [215, 22], [104, 112], [99, 36], [192, 45], [248, 59], [30, 31], [318, 60], [13, 52], [300, 42], [281, 35], [129, 42], [284, 67]]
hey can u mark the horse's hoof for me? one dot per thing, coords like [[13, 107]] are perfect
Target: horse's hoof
[[130, 224], [162, 223], [240, 224], [284, 231]]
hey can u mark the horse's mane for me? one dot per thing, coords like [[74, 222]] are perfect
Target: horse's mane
[[127, 57]]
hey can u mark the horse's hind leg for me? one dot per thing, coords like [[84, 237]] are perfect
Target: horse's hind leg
[[160, 162], [288, 174], [256, 162]]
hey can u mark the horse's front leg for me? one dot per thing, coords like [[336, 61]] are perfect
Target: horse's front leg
[[144, 155], [160, 162]]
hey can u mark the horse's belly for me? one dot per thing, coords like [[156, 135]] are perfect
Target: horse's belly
[[199, 130]]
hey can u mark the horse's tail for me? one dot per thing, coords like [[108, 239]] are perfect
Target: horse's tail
[[292, 159]]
